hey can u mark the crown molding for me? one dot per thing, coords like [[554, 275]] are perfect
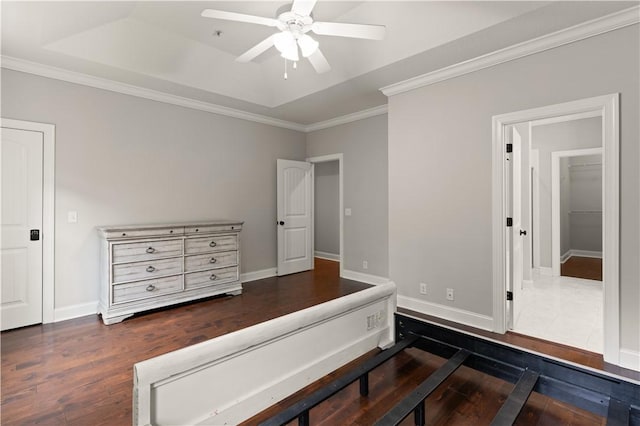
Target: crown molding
[[578, 32], [371, 112], [48, 71]]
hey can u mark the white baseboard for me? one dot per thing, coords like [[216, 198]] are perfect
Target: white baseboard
[[365, 278], [258, 275], [461, 316], [565, 256], [327, 256], [585, 253], [75, 311], [629, 359]]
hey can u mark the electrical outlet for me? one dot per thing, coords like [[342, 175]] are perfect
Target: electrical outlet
[[365, 264], [449, 294], [423, 288]]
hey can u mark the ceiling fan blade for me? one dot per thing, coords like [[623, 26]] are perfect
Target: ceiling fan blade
[[256, 50], [370, 32], [303, 7], [241, 17], [319, 62]]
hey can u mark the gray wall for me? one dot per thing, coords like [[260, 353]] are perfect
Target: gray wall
[[440, 167], [364, 145], [327, 207], [568, 135], [585, 221], [126, 160]]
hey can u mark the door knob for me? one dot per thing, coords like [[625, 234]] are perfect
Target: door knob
[[522, 232], [281, 222]]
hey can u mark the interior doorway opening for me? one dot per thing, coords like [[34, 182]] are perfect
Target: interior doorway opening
[[328, 205], [539, 227]]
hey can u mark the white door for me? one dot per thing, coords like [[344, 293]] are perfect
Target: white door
[[295, 237], [21, 252], [516, 229]]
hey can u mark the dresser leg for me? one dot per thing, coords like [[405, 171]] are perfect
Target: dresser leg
[[114, 320], [235, 292]]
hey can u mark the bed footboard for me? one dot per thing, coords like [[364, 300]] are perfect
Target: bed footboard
[[230, 378]]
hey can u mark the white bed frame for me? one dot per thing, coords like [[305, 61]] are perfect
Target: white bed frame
[[231, 378]]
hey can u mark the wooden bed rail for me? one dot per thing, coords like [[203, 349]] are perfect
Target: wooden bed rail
[[231, 378]]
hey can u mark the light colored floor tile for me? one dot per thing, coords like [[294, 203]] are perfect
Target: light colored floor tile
[[563, 310]]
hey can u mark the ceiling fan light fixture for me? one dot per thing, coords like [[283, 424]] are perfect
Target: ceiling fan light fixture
[[286, 44], [307, 45]]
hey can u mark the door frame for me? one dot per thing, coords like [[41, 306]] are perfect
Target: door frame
[[324, 159], [555, 201], [48, 209], [606, 106]]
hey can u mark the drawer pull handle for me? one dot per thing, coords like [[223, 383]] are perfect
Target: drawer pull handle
[[212, 244], [150, 269], [151, 250], [213, 277], [151, 287], [124, 234], [213, 260]]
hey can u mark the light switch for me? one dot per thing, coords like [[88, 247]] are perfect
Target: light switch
[[72, 216], [347, 212]]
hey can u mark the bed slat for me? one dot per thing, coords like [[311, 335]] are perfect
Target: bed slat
[[517, 399], [414, 401]]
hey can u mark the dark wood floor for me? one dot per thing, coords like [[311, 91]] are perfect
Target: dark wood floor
[[588, 268], [80, 371]]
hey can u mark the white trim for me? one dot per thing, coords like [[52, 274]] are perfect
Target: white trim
[[555, 199], [22, 65], [585, 253], [608, 105], [48, 209], [534, 162], [48, 71], [578, 32], [327, 256], [580, 253], [258, 275], [630, 359], [349, 118], [460, 316], [76, 311], [562, 119], [340, 159], [364, 278]]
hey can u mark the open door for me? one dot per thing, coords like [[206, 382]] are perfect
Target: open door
[[295, 215], [515, 252]]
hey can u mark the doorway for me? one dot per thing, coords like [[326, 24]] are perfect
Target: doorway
[[604, 109], [328, 229], [27, 223]]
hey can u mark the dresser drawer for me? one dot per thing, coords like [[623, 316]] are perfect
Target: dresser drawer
[[210, 244], [146, 270], [210, 278], [146, 289], [212, 260], [142, 233], [149, 250], [203, 229]]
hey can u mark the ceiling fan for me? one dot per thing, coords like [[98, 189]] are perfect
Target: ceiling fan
[[294, 24]]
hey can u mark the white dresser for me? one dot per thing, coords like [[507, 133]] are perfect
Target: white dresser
[[149, 266]]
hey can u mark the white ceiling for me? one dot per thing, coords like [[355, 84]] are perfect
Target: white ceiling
[[169, 47]]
